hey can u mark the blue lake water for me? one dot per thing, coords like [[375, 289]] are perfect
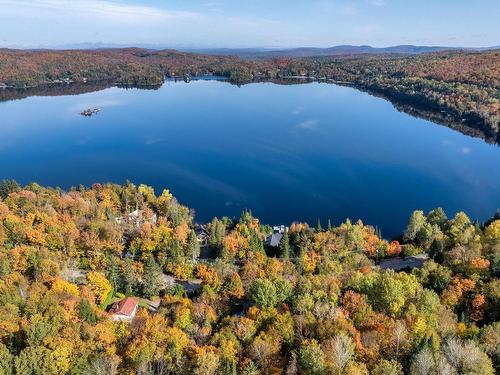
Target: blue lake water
[[287, 152]]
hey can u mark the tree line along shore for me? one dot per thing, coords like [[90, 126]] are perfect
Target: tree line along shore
[[460, 85]]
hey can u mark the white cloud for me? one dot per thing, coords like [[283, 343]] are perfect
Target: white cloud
[[465, 150], [298, 110], [103, 9], [308, 124], [153, 141]]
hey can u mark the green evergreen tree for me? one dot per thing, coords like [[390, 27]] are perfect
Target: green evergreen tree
[[152, 279], [217, 233], [86, 312], [128, 279], [318, 226], [256, 244], [285, 246], [193, 246], [7, 187], [263, 293], [176, 252], [113, 272]]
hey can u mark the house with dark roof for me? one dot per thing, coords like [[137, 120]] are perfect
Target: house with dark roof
[[124, 310], [273, 240]]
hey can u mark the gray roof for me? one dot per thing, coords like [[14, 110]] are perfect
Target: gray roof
[[274, 239], [398, 264]]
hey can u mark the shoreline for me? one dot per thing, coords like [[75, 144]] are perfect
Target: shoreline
[[416, 106]]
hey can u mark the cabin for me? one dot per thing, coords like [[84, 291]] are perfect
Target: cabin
[[124, 310]]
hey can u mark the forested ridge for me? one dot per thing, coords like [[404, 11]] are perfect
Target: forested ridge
[[466, 86], [132, 66], [461, 88], [316, 304]]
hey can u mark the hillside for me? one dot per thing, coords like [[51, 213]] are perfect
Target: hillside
[[462, 88], [316, 304], [133, 66], [465, 86]]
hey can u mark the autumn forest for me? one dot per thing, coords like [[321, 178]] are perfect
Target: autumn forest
[[220, 299], [226, 187]]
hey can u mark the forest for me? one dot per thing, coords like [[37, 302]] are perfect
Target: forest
[[319, 303], [460, 89]]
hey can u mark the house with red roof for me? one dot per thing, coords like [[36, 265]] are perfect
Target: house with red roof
[[124, 310]]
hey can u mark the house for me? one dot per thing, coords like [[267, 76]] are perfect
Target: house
[[202, 234], [124, 310], [137, 218], [280, 229], [274, 240]]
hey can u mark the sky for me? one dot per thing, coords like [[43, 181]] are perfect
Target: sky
[[249, 23]]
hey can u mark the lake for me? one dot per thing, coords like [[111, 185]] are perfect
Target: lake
[[287, 152]]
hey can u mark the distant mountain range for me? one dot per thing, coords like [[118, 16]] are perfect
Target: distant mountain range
[[256, 53], [266, 53]]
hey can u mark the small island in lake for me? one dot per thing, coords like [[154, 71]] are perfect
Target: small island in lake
[[90, 112]]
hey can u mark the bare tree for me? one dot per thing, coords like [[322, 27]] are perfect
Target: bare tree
[[443, 367], [423, 363], [340, 348], [466, 357], [453, 351], [400, 333], [103, 365], [157, 367]]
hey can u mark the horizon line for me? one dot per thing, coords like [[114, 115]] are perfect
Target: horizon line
[[160, 46]]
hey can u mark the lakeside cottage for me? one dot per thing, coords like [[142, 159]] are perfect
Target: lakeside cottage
[[274, 239], [280, 229], [124, 310], [202, 234]]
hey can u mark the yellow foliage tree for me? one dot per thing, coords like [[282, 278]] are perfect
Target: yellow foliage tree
[[99, 285], [63, 286]]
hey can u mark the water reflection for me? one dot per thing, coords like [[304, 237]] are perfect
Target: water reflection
[[288, 152]]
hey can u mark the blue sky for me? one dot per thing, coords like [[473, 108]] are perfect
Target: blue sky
[[249, 23]]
